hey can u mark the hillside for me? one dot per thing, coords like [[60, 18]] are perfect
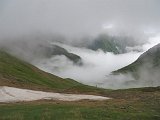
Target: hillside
[[31, 49], [115, 44], [148, 64], [57, 50], [17, 73], [150, 58], [131, 103]]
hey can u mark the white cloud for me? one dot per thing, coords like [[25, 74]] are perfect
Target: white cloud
[[97, 65]]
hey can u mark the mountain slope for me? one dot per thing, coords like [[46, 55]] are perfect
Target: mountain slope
[[150, 58], [57, 50], [115, 44], [105, 43], [17, 73], [34, 49], [146, 67]]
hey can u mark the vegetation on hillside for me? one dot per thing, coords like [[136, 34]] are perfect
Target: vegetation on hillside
[[131, 104], [57, 50], [17, 73], [142, 103], [115, 44], [149, 59]]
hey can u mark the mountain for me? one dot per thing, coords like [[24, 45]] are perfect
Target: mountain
[[33, 49], [18, 73], [57, 50], [115, 44], [146, 67]]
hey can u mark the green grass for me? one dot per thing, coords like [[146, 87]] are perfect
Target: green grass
[[18, 73], [131, 104]]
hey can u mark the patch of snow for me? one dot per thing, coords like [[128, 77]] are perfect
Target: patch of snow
[[11, 94]]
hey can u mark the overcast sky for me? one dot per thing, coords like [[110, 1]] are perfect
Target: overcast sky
[[76, 17]]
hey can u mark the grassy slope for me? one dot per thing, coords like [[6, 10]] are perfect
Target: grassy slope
[[15, 72], [150, 60], [133, 104]]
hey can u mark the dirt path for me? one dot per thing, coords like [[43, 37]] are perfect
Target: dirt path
[[11, 94]]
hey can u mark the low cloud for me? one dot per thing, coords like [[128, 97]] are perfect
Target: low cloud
[[96, 65], [147, 77]]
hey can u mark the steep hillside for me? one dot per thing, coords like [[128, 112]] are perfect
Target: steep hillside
[[57, 50], [17, 73], [104, 43], [148, 62], [115, 44], [31, 50]]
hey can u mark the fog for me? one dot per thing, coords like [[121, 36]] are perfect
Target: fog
[[78, 17], [28, 26], [98, 65]]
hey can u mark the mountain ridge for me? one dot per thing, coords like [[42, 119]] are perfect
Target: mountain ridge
[[151, 56], [18, 73], [144, 72]]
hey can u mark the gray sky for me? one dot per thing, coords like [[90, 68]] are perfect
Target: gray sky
[[77, 17]]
